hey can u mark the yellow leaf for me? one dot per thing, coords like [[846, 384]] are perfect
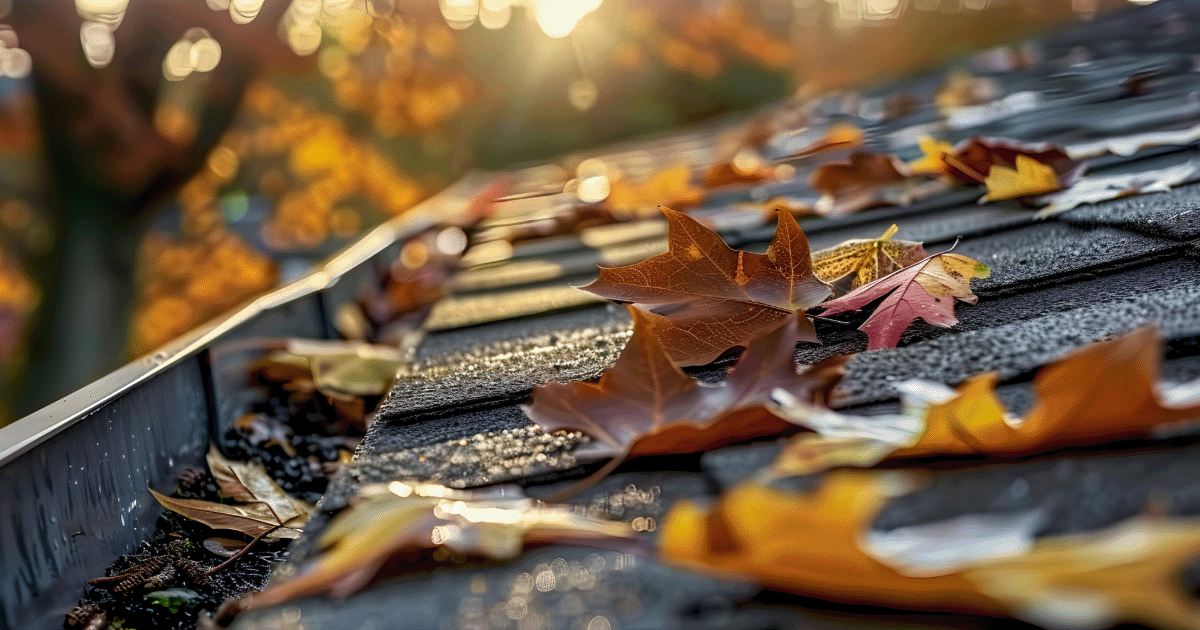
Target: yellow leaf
[[1031, 177], [866, 260], [932, 163]]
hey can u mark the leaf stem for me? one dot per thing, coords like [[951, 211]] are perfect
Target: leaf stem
[[241, 552], [832, 321]]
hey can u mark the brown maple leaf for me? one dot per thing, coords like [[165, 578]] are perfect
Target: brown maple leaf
[[645, 405], [710, 297], [865, 260], [1105, 392]]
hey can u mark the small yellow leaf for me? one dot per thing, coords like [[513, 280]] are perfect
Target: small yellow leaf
[[866, 260], [1031, 177], [932, 163]]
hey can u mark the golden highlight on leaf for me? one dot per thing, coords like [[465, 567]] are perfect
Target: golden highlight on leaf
[[393, 529], [807, 544], [932, 162], [866, 260], [706, 297], [671, 186]]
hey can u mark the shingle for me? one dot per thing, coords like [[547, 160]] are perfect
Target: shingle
[[1076, 493], [1174, 214], [1020, 346]]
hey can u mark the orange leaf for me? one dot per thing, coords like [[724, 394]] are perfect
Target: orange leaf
[[807, 544], [671, 186], [1105, 392], [814, 545]]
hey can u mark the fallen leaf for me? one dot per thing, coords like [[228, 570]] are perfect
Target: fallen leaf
[[389, 530], [1105, 392], [746, 167], [838, 136], [252, 519], [932, 162], [645, 405], [962, 89], [349, 367], [248, 482], [671, 186], [973, 158], [1029, 178], [1129, 573], [1097, 189], [812, 544], [263, 506], [857, 183], [1130, 144], [711, 298], [808, 544], [927, 289], [866, 260]]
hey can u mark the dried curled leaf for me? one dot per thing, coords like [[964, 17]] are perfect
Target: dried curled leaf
[[1097, 189], [1030, 177], [813, 545], [927, 289], [866, 260], [671, 186], [645, 405], [394, 528], [263, 505], [348, 367], [1104, 392], [707, 297]]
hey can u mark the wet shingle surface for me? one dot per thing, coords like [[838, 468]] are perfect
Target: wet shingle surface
[[1056, 285]]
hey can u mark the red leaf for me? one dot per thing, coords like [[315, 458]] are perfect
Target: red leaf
[[927, 289]]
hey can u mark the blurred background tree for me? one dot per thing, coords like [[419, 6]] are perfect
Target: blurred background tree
[[162, 161]]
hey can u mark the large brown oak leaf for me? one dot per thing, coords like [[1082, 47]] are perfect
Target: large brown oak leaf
[[706, 297]]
